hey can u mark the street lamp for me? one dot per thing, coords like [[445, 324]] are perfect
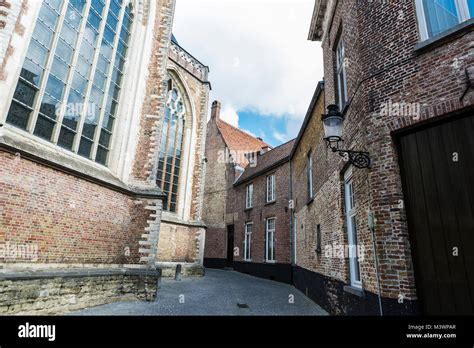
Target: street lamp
[[333, 122]]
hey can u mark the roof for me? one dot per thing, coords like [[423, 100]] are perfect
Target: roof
[[239, 141], [309, 114], [173, 39], [268, 161]]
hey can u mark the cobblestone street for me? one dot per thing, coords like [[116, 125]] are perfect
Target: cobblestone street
[[218, 293]]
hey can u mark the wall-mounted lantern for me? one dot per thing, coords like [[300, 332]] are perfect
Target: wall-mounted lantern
[[332, 122]]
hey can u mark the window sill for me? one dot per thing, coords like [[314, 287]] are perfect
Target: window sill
[[270, 203], [248, 209], [445, 36], [270, 262], [359, 292]]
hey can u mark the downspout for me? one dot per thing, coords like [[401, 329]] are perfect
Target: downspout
[[371, 226], [290, 205]]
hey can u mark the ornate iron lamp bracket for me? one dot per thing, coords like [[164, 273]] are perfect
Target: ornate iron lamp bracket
[[359, 159]]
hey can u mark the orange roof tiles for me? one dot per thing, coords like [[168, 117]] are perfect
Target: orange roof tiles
[[240, 142]]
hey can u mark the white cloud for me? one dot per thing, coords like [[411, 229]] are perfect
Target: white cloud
[[280, 136], [257, 51], [229, 115]]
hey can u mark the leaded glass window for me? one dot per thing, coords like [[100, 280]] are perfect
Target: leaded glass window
[[171, 149], [70, 83]]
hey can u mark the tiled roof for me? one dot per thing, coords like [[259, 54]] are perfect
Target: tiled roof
[[267, 161], [240, 142]]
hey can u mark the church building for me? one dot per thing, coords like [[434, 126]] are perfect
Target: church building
[[102, 135]]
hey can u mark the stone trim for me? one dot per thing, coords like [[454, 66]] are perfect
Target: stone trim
[[151, 237], [77, 273], [93, 176]]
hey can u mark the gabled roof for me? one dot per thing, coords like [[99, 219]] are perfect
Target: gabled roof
[[267, 162], [239, 141]]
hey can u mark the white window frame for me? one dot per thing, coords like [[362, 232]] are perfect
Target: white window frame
[[270, 237], [309, 174], [270, 196], [248, 241], [462, 9], [351, 212], [249, 196], [341, 74], [29, 131]]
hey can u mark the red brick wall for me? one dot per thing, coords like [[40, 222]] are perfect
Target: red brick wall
[[259, 213], [70, 219], [382, 65]]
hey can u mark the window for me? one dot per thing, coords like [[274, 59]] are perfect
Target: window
[[351, 221], [271, 188], [318, 239], [249, 196], [437, 16], [69, 85], [248, 241], [309, 175], [341, 75], [270, 240], [172, 136]]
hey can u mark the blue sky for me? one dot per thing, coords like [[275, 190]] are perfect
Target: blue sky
[[271, 129], [263, 69]]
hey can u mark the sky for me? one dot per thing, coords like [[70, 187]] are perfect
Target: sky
[[263, 69]]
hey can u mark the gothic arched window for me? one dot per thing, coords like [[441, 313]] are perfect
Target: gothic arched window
[[71, 78], [171, 147]]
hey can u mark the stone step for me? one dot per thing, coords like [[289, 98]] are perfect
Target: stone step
[[145, 259], [151, 207], [144, 242], [144, 251]]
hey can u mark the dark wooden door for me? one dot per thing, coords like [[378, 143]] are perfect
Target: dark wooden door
[[230, 245], [437, 165]]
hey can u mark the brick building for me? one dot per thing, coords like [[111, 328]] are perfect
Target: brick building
[[228, 151], [259, 216], [401, 74], [102, 130]]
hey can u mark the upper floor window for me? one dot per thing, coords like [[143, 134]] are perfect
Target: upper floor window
[[248, 196], [351, 226], [341, 75], [69, 86], [436, 16], [270, 188], [171, 148], [248, 241], [309, 175], [270, 240]]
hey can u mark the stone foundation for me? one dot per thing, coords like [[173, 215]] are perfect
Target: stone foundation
[[55, 292]]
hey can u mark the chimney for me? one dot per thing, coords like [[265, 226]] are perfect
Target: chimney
[[216, 111]]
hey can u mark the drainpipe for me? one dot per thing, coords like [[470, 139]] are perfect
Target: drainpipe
[[291, 217], [371, 226], [292, 236]]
